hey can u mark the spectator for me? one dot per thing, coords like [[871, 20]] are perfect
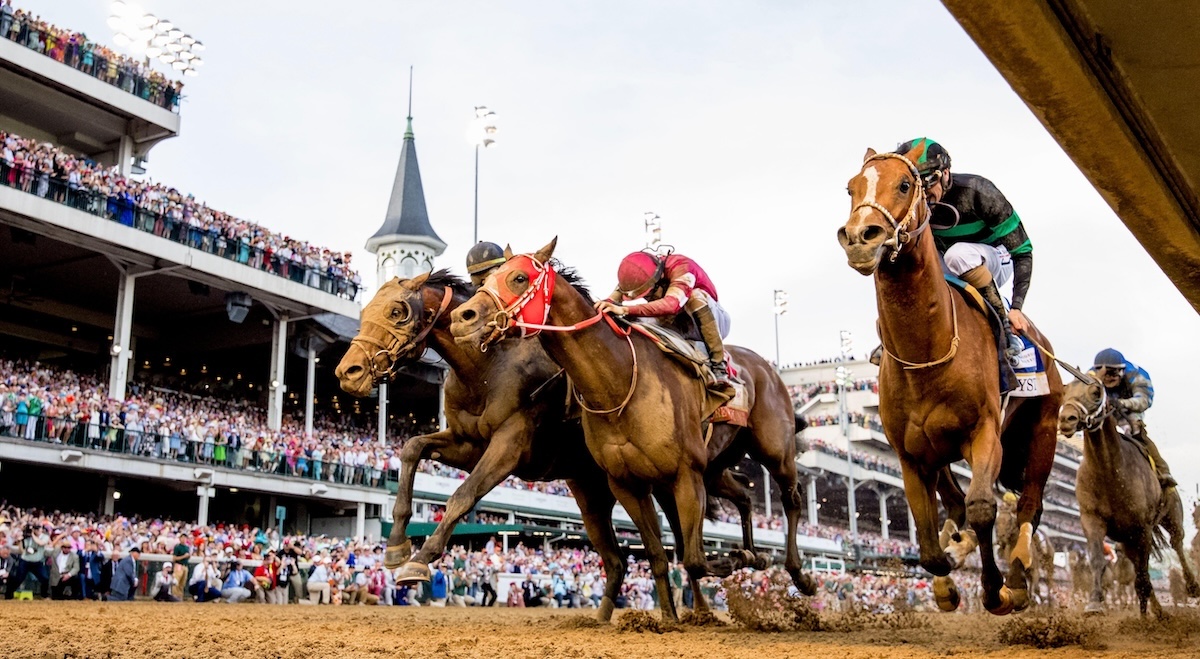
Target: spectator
[[164, 582], [124, 577], [8, 571], [64, 572], [516, 598], [437, 585], [318, 582], [267, 578], [205, 584], [33, 557]]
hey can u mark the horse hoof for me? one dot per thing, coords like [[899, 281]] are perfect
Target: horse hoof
[[1005, 606], [945, 593], [1094, 609], [742, 558], [1020, 599], [413, 572], [805, 584], [395, 556], [762, 561], [604, 613]]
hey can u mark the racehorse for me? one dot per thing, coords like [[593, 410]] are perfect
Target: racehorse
[[644, 411], [945, 404], [1042, 568], [1119, 494], [505, 416], [1119, 578]]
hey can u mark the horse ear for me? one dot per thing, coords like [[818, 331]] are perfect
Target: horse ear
[[418, 281], [508, 253], [869, 154], [543, 255]]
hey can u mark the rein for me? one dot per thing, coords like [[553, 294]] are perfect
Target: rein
[[398, 345], [912, 366], [542, 287], [900, 234]]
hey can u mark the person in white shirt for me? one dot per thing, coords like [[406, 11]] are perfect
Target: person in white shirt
[[205, 581], [318, 582], [160, 591]]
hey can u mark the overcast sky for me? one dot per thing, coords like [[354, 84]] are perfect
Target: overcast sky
[[738, 123]]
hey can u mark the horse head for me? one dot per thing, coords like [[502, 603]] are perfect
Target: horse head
[[517, 293], [887, 209], [393, 328], [1083, 406]]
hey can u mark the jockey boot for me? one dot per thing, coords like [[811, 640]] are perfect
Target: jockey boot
[[992, 295], [1161, 469], [707, 323]]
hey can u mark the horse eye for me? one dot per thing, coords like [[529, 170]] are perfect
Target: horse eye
[[520, 279], [905, 186], [401, 312]]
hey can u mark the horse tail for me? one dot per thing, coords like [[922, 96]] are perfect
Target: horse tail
[[801, 445], [801, 422], [1159, 541]]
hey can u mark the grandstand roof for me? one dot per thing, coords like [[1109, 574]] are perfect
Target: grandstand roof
[[406, 219]]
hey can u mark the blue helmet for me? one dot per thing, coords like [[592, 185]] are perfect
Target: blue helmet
[[1109, 357]]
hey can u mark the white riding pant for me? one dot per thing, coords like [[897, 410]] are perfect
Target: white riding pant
[[719, 313], [962, 257]]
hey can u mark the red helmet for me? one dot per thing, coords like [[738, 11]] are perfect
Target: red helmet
[[638, 273]]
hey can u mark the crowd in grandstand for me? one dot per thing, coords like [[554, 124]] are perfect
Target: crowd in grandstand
[[802, 393], [47, 171], [886, 465], [78, 52]]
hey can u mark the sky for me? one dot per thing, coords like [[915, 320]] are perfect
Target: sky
[[738, 123]]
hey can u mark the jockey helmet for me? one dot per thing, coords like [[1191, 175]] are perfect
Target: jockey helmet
[[933, 158], [484, 256], [1109, 358], [638, 273]]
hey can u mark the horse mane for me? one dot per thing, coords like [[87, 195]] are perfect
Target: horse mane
[[456, 284], [573, 278]]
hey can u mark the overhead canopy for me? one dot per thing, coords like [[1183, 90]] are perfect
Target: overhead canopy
[[1118, 85]]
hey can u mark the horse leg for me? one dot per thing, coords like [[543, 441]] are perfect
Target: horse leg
[[719, 568], [1173, 523], [1039, 460], [641, 510], [1139, 552], [985, 457], [399, 547], [690, 499], [954, 500], [729, 488], [1095, 529], [498, 462], [596, 501], [921, 501], [781, 463]]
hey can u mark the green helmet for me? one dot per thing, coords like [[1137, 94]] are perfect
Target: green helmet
[[932, 157]]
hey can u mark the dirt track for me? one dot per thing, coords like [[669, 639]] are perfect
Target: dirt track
[[83, 629]]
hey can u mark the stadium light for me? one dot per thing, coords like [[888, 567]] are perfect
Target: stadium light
[[482, 133], [781, 301], [143, 33], [653, 230]]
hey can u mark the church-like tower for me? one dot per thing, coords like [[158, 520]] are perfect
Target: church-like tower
[[406, 244]]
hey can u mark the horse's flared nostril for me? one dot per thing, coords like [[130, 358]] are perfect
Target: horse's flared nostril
[[467, 316]]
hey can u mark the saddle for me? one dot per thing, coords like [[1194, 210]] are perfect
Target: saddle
[[1025, 376], [692, 353]]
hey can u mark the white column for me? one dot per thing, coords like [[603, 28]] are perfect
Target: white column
[[275, 383], [122, 350], [883, 516], [109, 501], [204, 492], [442, 403], [852, 507], [125, 154], [310, 392], [360, 524], [383, 412], [812, 500], [504, 536], [912, 528], [767, 490]]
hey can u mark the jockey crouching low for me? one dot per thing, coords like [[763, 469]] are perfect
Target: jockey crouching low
[[672, 285], [1129, 388], [980, 237], [482, 259]]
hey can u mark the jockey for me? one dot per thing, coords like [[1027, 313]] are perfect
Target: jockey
[[1129, 386], [482, 260], [671, 285], [980, 237]]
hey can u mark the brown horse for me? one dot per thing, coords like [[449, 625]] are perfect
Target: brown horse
[[644, 410], [505, 415], [1042, 566], [1119, 495], [944, 405]]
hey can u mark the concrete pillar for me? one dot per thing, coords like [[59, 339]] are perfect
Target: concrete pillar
[[912, 528], [442, 403], [122, 348], [812, 500], [204, 492], [504, 536], [767, 490], [110, 502], [883, 515], [360, 524], [275, 381], [383, 412], [125, 153], [852, 508], [310, 391]]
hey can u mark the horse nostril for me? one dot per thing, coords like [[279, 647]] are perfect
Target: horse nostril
[[354, 371], [871, 233], [468, 315]]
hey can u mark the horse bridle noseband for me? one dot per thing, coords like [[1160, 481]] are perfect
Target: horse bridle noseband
[[900, 234], [1093, 420], [398, 344]]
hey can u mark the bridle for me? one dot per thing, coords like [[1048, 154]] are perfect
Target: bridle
[[398, 345], [534, 303], [1094, 418], [900, 234]]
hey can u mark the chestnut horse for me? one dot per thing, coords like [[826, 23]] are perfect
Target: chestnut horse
[[1119, 495], [943, 403], [644, 410]]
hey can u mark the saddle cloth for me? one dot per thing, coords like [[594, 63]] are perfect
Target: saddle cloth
[[693, 354], [1028, 370]]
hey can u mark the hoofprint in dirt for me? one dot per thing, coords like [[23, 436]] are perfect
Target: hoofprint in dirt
[[144, 629]]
